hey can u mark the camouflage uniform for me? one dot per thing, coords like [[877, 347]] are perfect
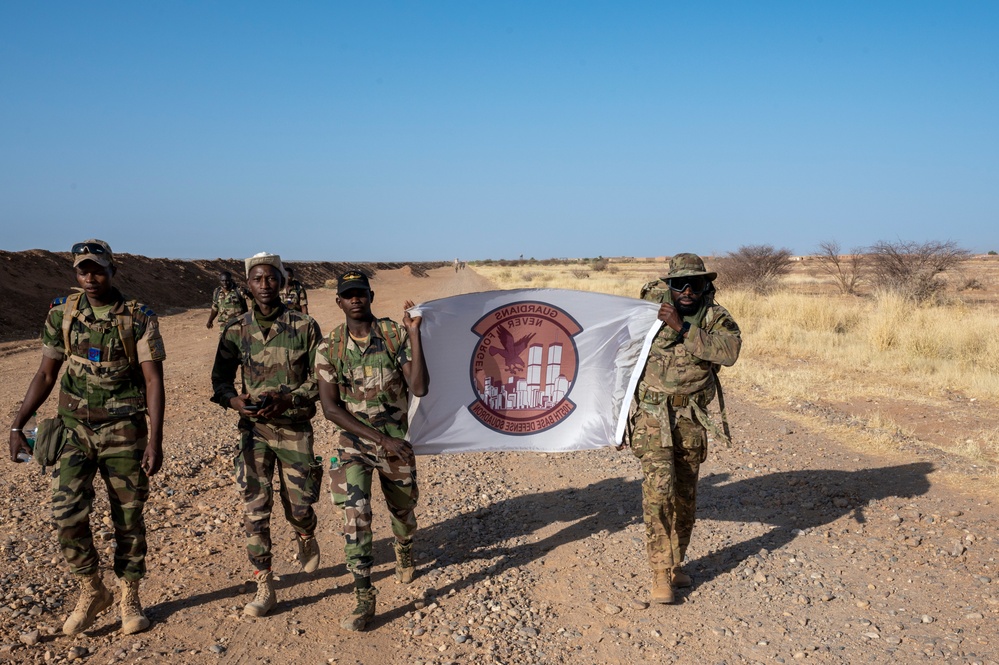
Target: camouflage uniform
[[227, 304], [102, 403], [295, 296], [669, 419], [373, 389], [280, 361]]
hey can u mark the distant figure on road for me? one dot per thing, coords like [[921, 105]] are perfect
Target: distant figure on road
[[669, 418], [457, 264], [228, 301], [274, 348], [293, 294], [113, 380], [367, 368]]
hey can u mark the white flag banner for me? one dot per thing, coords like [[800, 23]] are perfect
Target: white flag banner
[[546, 370]]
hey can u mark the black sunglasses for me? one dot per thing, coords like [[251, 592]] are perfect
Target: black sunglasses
[[88, 248], [681, 284]]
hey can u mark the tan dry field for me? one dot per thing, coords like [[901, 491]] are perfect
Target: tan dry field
[[813, 544]]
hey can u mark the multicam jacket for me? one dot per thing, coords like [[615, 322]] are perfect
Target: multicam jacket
[[685, 368], [280, 362], [100, 384], [294, 297], [229, 304], [372, 385]]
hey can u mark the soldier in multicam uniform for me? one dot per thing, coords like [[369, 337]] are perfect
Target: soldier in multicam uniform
[[669, 418], [228, 301], [275, 348], [366, 369], [293, 294], [114, 378]]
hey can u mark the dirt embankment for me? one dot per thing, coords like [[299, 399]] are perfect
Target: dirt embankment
[[33, 278]]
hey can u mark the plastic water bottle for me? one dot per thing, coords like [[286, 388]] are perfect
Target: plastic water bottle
[[30, 431], [334, 464]]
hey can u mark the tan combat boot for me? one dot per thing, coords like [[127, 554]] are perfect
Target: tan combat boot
[[680, 579], [94, 599], [364, 612], [132, 618], [662, 590], [266, 599], [403, 562], [308, 553]]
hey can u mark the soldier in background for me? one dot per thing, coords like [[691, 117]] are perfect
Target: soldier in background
[[669, 419], [293, 294], [275, 349], [228, 301], [113, 380], [366, 369]]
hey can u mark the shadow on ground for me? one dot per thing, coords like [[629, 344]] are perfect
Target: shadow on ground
[[791, 501]]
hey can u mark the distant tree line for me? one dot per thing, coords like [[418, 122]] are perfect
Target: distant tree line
[[910, 269]]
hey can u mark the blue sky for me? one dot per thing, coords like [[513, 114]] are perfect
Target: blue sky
[[429, 130]]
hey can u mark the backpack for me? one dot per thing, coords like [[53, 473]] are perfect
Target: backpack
[[338, 342], [123, 321]]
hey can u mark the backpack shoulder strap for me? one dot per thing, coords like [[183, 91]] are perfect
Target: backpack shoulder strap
[[126, 321], [338, 344], [390, 333], [72, 306]]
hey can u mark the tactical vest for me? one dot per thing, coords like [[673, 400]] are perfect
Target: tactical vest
[[102, 357]]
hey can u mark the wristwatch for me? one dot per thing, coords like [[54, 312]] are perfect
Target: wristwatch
[[683, 329], [297, 401]]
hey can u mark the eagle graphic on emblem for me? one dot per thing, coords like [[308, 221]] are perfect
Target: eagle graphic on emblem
[[511, 350]]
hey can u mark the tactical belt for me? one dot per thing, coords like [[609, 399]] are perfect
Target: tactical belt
[[676, 401]]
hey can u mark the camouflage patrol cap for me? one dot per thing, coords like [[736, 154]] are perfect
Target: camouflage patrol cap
[[688, 265], [352, 279], [94, 250], [264, 258]]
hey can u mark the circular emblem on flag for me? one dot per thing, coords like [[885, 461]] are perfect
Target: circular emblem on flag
[[524, 367]]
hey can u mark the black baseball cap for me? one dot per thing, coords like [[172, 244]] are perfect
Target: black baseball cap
[[352, 279]]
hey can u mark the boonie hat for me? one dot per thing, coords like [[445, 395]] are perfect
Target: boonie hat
[[352, 279], [688, 265], [264, 258], [94, 250]]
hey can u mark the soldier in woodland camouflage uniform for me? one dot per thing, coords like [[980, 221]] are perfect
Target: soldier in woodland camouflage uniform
[[669, 417], [366, 369], [275, 348], [293, 294], [114, 378], [228, 301]]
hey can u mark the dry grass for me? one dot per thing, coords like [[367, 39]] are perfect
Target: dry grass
[[807, 342]]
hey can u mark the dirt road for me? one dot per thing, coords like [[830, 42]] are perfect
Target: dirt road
[[804, 550]]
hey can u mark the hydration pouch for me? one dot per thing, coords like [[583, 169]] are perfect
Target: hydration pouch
[[50, 441]]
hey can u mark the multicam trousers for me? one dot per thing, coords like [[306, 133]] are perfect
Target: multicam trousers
[[350, 481], [115, 450], [262, 447], [669, 491]]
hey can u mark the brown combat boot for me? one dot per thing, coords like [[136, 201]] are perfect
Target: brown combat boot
[[266, 599], [132, 618], [680, 579], [364, 612], [94, 599], [403, 562], [308, 553], [662, 590]]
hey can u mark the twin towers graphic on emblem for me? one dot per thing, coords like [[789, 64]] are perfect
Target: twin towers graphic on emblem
[[523, 367]]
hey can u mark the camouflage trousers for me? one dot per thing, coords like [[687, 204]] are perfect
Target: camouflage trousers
[[289, 448], [114, 450], [669, 490], [350, 485]]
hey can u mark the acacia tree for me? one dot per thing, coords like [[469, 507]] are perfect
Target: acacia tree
[[913, 269], [757, 267], [846, 270]]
